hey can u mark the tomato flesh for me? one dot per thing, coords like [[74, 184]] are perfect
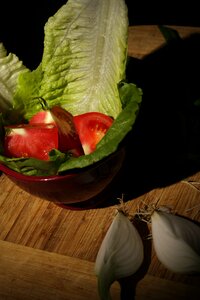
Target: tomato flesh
[[91, 127], [56, 129], [68, 138], [30, 140], [42, 117]]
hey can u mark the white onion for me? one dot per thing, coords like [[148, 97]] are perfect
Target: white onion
[[120, 255], [176, 242]]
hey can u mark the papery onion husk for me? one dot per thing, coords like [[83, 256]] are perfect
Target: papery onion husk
[[120, 255], [176, 242]]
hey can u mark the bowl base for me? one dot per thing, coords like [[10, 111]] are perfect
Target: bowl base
[[91, 203], [107, 197]]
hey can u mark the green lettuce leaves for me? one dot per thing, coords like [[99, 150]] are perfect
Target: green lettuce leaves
[[84, 55], [10, 69], [83, 69], [84, 58]]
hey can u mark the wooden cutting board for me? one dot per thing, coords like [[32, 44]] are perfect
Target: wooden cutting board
[[47, 252], [28, 273]]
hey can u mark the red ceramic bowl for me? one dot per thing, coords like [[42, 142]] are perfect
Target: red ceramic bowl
[[73, 189]]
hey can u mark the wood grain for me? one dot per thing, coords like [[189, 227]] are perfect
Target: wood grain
[[33, 274], [36, 274], [143, 40], [47, 252]]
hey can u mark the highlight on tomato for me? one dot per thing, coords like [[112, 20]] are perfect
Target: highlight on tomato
[[42, 117]]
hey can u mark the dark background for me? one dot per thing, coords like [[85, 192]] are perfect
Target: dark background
[[164, 12], [22, 22]]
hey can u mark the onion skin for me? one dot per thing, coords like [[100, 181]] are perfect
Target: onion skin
[[120, 255], [176, 242]]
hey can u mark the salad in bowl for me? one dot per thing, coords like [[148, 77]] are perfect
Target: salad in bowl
[[74, 110]]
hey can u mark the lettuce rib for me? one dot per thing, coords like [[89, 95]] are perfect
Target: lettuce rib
[[84, 56]]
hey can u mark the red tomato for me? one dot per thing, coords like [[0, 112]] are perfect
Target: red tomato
[[30, 140], [42, 117], [92, 127], [67, 134]]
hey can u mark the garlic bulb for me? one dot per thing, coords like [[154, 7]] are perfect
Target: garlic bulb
[[176, 242], [120, 255]]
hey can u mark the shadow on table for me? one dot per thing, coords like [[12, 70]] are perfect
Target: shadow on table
[[164, 144]]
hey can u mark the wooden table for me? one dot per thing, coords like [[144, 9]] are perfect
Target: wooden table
[[47, 252]]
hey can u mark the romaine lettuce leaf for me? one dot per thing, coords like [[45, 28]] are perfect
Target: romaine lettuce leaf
[[27, 95], [84, 58], [10, 68]]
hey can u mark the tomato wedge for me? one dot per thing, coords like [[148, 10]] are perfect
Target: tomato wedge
[[30, 140], [68, 139], [91, 127], [42, 117], [67, 134], [56, 129]]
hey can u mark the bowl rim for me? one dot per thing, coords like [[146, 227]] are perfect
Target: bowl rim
[[68, 174], [14, 174]]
